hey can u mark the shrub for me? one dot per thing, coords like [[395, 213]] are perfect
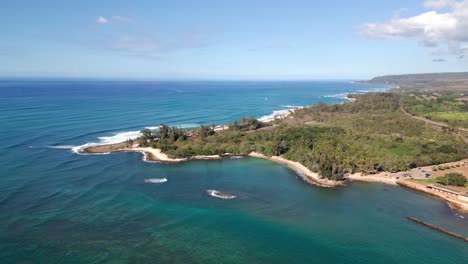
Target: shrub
[[434, 168], [456, 179]]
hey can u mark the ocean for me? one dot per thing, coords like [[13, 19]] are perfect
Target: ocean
[[58, 206]]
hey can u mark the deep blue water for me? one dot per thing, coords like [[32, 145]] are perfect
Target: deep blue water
[[60, 207]]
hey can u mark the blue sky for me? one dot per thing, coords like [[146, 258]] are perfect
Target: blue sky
[[231, 39]]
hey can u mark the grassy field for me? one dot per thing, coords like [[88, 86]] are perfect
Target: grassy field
[[439, 106]]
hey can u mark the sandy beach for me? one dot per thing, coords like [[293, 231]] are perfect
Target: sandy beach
[[152, 154], [372, 178], [303, 171]]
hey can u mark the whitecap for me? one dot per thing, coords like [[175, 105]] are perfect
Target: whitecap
[[292, 106], [116, 138], [275, 114], [156, 180], [62, 147], [343, 96], [152, 127], [119, 137], [79, 149]]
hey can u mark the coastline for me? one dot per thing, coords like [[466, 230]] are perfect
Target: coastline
[[382, 177], [372, 178], [156, 155], [150, 154], [306, 174], [395, 179], [453, 202]]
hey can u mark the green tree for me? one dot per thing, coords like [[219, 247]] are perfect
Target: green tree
[[456, 179]]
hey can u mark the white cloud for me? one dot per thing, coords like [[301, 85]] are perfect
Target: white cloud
[[439, 3], [102, 20], [431, 28]]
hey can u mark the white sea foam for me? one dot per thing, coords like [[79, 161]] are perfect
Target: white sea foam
[[457, 215], [78, 149], [272, 116], [146, 159], [116, 138], [292, 106], [152, 127], [343, 96], [119, 137], [372, 90], [62, 147], [156, 180], [279, 113]]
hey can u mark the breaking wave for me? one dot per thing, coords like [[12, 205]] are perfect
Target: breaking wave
[[62, 147], [344, 96], [156, 180], [279, 113], [115, 138]]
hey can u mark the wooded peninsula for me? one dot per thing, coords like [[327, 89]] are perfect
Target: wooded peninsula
[[422, 123]]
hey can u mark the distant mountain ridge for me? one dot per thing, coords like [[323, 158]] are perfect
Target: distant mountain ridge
[[458, 80]]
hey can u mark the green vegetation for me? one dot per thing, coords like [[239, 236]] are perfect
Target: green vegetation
[[436, 81], [456, 179], [246, 124], [368, 135], [448, 107], [424, 181]]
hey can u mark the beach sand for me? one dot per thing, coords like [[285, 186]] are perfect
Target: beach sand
[[372, 178], [152, 154], [303, 171]]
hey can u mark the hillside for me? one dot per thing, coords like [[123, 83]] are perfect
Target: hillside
[[441, 81]]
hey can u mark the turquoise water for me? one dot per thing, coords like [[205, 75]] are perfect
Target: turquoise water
[[60, 207]]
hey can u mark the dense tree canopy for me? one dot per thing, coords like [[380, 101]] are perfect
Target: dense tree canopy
[[456, 179], [368, 135]]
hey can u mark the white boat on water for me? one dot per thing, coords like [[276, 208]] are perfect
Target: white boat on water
[[220, 195]]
